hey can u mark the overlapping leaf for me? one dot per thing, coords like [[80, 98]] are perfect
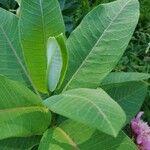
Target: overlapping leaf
[[130, 96], [91, 107], [21, 111], [122, 77], [19, 143], [99, 41], [39, 20], [11, 59], [74, 136]]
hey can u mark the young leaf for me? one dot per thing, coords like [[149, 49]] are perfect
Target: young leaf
[[74, 136], [19, 143], [99, 41], [122, 77], [39, 20], [92, 107], [54, 61], [57, 61], [21, 111], [130, 96]]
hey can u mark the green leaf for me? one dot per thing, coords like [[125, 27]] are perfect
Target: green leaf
[[121, 77], [38, 21], [130, 96], [11, 58], [92, 107], [19, 143], [54, 63], [21, 111], [57, 61], [74, 136], [99, 41]]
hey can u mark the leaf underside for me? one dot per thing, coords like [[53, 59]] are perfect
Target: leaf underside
[[54, 63], [57, 62]]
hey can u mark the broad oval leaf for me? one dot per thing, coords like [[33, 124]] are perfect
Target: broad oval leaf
[[74, 136], [93, 107], [57, 60], [39, 20], [122, 77], [21, 111], [99, 41], [129, 95]]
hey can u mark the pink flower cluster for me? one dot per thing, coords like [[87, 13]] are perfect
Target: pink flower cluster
[[141, 132]]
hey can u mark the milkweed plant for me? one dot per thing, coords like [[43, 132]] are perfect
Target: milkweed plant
[[59, 93]]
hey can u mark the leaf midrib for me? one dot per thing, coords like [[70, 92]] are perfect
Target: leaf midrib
[[99, 110], [19, 60], [23, 108], [95, 45], [43, 24], [14, 51], [69, 139]]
